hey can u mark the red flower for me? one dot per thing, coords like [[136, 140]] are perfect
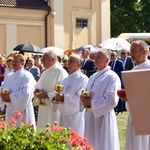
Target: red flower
[[73, 133], [78, 141], [12, 121], [2, 125], [17, 114], [56, 128]]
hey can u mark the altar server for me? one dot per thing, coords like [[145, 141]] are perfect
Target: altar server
[[100, 121]]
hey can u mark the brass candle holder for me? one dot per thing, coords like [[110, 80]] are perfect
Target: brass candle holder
[[58, 88], [86, 94], [41, 101], [6, 91]]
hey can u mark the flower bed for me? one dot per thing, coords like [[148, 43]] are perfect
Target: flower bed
[[54, 137]]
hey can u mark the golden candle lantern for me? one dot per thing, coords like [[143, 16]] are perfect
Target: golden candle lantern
[[41, 101], [86, 94], [6, 91], [58, 88]]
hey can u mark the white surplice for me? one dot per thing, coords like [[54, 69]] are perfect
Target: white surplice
[[70, 115], [136, 142], [100, 121], [48, 79], [21, 85]]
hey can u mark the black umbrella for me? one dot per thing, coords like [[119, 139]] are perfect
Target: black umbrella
[[28, 48]]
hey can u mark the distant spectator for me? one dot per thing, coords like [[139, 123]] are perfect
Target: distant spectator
[[59, 59], [128, 64], [32, 68], [37, 63], [88, 66], [2, 69], [127, 61], [2, 72], [65, 62], [92, 55], [9, 67], [117, 66]]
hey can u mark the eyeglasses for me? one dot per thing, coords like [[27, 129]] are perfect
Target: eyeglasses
[[112, 55], [123, 53], [71, 61]]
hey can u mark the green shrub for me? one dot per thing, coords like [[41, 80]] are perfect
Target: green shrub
[[54, 137]]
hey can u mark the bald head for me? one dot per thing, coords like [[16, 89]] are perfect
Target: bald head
[[139, 50], [49, 58]]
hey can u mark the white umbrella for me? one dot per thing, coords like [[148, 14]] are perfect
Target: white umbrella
[[91, 48], [115, 44], [56, 50]]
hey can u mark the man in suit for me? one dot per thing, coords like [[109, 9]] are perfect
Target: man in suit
[[128, 64], [127, 61], [88, 66], [117, 66]]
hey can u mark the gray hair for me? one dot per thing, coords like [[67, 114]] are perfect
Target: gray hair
[[124, 49], [51, 54], [77, 57]]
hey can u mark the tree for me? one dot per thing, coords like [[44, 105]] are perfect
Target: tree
[[130, 16]]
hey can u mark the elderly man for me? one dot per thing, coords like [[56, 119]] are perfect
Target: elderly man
[[128, 64], [35, 71], [127, 61], [53, 74], [139, 50], [73, 85], [100, 121], [20, 87], [117, 66]]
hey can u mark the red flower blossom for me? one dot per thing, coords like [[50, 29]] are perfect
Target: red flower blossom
[[12, 121], [56, 128], [54, 135], [17, 114], [78, 141], [2, 125]]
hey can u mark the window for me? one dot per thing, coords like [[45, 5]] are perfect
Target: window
[[81, 22]]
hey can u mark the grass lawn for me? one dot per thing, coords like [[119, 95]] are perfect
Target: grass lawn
[[122, 121]]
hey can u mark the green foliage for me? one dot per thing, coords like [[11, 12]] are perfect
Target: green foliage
[[129, 16], [54, 137]]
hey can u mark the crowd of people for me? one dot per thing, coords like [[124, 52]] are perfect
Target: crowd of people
[[88, 101]]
